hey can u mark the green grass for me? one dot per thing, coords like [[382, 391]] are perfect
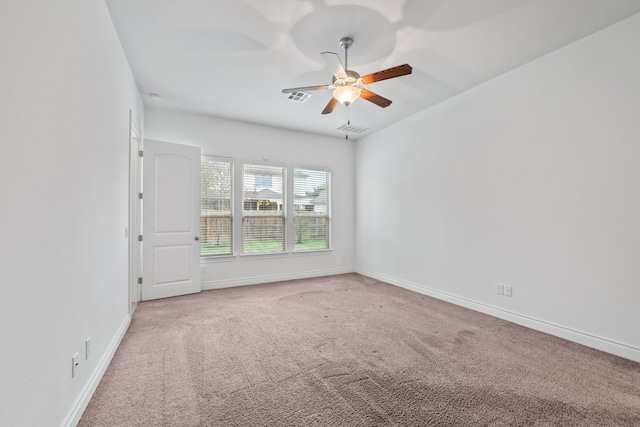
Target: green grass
[[311, 244], [263, 246], [213, 249], [260, 246]]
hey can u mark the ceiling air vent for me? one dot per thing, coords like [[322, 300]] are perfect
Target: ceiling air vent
[[299, 96], [353, 129]]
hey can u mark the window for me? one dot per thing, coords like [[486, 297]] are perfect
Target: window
[[311, 209], [263, 213], [216, 218]]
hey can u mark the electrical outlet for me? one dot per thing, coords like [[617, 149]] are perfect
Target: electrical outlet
[[87, 348], [75, 365], [500, 289], [508, 291]]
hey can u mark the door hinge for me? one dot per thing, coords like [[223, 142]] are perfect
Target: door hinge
[[140, 196], [140, 153], [140, 280], [140, 238]]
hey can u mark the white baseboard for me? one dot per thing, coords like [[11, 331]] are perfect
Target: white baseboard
[[589, 340], [76, 411], [254, 280]]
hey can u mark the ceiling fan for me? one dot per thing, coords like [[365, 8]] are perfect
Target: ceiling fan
[[347, 85]]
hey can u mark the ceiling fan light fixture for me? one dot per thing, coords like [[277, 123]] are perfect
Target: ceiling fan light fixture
[[346, 94]]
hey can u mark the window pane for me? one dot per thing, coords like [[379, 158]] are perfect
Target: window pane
[[262, 234], [263, 202], [311, 233], [215, 236], [264, 181], [216, 229], [311, 206]]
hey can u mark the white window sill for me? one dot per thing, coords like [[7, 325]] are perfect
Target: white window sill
[[216, 258], [261, 255], [311, 252]]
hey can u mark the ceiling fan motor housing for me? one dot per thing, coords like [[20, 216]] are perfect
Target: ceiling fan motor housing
[[352, 79]]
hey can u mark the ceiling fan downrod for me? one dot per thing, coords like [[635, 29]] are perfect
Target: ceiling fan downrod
[[345, 43]]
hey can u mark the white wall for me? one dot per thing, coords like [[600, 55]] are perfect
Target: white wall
[[65, 94], [530, 180], [251, 143]]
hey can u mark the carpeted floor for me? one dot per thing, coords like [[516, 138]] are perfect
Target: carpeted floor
[[348, 350]]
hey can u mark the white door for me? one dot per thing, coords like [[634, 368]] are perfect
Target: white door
[[171, 220]]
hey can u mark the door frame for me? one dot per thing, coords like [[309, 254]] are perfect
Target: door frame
[[135, 214]]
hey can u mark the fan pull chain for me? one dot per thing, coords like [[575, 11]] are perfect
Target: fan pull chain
[[346, 133]]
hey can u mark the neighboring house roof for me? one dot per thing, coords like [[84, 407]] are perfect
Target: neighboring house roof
[[264, 194]]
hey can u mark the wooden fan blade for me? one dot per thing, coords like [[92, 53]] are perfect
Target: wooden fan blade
[[389, 73], [375, 98], [305, 88], [333, 60], [330, 106]]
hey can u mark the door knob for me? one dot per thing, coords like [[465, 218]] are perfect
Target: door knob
[[197, 238]]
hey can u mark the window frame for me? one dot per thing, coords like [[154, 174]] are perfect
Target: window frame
[[280, 213], [327, 215]]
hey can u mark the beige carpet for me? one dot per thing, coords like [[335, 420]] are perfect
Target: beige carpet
[[351, 351]]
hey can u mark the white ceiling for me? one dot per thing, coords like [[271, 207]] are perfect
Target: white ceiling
[[232, 58]]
